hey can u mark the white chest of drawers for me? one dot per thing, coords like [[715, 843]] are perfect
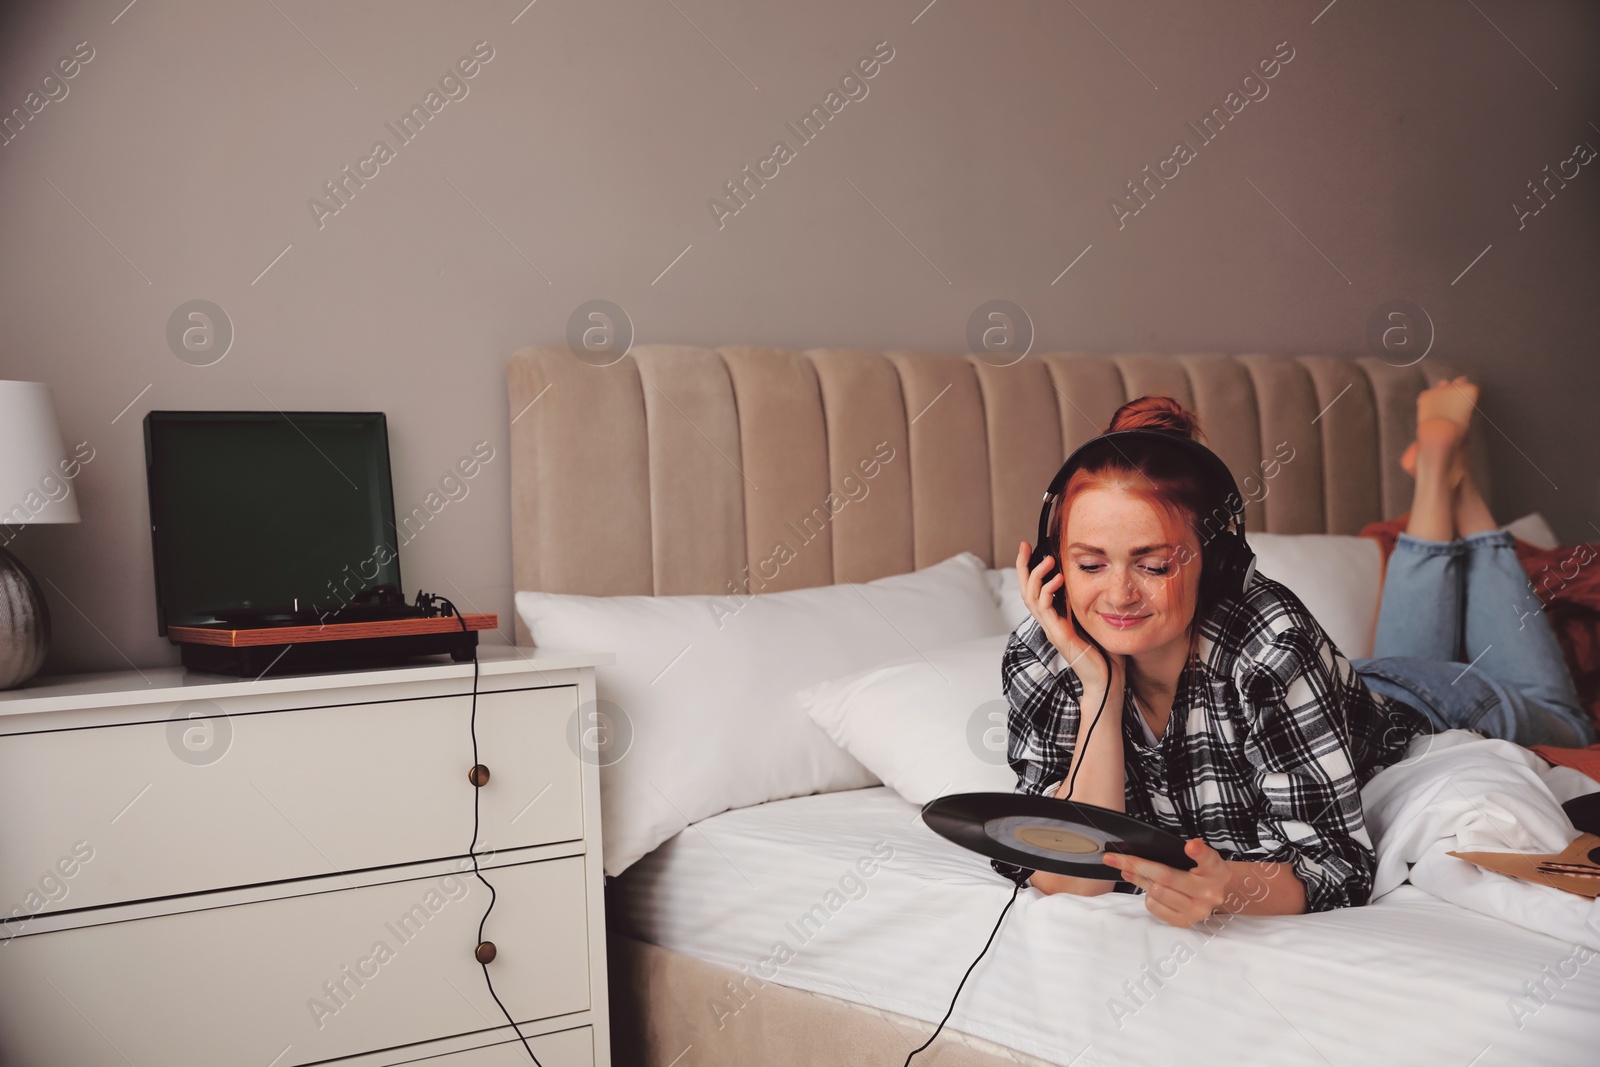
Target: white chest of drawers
[[199, 870]]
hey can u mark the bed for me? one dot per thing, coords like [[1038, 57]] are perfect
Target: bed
[[675, 468]]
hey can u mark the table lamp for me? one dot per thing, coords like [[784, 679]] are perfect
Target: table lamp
[[35, 487]]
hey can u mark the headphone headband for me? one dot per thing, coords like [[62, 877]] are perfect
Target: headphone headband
[[1232, 562], [1219, 480]]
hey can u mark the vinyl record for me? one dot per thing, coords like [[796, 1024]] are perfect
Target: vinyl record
[[1046, 834]]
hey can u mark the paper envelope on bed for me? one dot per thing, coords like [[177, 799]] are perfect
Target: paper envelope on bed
[[1575, 868]]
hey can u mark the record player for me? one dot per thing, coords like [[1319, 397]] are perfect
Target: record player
[[276, 548]]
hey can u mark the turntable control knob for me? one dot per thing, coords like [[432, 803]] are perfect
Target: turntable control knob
[[479, 776]]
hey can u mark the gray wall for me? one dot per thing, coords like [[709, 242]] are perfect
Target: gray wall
[[578, 166]]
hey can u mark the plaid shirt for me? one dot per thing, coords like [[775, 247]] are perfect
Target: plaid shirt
[[1271, 737]]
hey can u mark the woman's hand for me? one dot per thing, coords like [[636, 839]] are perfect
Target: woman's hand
[[1181, 898], [1039, 595]]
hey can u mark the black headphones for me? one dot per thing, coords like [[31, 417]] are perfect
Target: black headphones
[[1227, 562]]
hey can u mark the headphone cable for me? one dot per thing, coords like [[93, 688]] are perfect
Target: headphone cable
[[1017, 888], [472, 850], [1071, 784]]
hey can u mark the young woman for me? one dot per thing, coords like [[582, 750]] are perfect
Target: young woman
[[1239, 725]]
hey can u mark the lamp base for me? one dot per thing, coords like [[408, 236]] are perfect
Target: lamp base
[[24, 623]]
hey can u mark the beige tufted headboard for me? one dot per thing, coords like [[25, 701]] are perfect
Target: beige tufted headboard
[[675, 469]]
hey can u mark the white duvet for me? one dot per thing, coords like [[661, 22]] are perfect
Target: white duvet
[[850, 895], [1459, 792]]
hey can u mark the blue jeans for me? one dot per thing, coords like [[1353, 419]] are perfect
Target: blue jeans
[[1463, 639]]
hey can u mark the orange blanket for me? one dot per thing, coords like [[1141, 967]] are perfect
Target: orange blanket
[[1584, 760], [1566, 581]]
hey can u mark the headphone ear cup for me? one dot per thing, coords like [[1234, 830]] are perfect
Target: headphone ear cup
[[1044, 543], [1234, 561]]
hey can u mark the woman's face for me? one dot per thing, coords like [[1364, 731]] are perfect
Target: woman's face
[[1122, 572]]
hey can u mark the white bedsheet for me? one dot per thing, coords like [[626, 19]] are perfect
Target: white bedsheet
[[1410, 979]]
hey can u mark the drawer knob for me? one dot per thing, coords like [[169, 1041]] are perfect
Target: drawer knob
[[485, 952], [479, 775]]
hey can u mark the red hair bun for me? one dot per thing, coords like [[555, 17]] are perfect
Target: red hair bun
[[1157, 413]]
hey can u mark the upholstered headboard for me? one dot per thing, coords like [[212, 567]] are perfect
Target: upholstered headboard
[[675, 469]]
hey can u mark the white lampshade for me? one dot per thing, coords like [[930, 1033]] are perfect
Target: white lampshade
[[36, 470]]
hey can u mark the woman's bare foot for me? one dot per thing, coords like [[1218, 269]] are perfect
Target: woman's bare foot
[[1458, 472], [1452, 400], [1437, 459]]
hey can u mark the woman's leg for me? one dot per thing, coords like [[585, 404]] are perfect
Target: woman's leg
[[1420, 613], [1437, 465], [1512, 680], [1479, 556], [1459, 696], [1505, 633], [1471, 513], [1507, 637], [1421, 608]]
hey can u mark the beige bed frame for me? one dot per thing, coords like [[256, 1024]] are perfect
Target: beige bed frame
[[680, 470]]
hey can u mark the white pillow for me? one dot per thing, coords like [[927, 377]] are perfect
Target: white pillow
[[1335, 576], [1340, 578], [1003, 584], [700, 705], [1533, 529], [926, 727]]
